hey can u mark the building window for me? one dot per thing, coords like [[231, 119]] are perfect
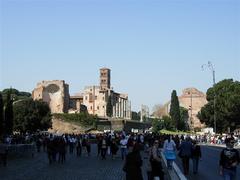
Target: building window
[[97, 107], [96, 97], [85, 97], [103, 107], [102, 98], [91, 107], [90, 89]]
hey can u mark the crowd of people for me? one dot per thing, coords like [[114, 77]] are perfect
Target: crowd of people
[[129, 146]]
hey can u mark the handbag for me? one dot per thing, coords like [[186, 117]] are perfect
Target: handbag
[[170, 155]]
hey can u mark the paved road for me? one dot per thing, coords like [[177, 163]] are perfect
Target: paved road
[[208, 167], [93, 168], [75, 168]]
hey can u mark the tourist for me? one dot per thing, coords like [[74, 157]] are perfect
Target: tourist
[[169, 148], [123, 145], [229, 159], [103, 147], [196, 155], [133, 164], [185, 152], [156, 163]]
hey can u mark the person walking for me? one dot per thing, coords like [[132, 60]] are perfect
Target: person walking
[[61, 150], [185, 152], [196, 155], [229, 159], [133, 163], [114, 148], [169, 148], [79, 146], [103, 148], [156, 163], [123, 145]]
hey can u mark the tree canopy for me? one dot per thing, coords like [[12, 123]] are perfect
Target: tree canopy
[[159, 111], [136, 115], [109, 107], [183, 125], [8, 114], [31, 116], [15, 94], [164, 122], [1, 115], [227, 107]]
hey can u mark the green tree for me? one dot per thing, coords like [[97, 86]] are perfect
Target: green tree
[[168, 123], [8, 116], [109, 107], [15, 94], [175, 109], [157, 125], [227, 107], [183, 119], [136, 116], [31, 116], [1, 115]]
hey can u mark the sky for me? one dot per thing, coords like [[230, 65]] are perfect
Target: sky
[[151, 46]]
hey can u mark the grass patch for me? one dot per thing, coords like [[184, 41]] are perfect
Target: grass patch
[[164, 131]]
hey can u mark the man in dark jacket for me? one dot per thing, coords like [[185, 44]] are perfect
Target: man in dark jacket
[[229, 159], [196, 155], [185, 152], [133, 164]]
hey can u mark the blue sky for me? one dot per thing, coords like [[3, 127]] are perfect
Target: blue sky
[[152, 47]]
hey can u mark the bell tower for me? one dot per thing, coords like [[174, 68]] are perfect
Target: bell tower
[[105, 77]]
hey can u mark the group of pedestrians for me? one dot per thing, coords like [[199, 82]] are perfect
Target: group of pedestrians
[[130, 147], [189, 149], [133, 161]]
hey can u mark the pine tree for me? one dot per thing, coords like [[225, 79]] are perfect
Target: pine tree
[[9, 114], [109, 107], [1, 115], [175, 109]]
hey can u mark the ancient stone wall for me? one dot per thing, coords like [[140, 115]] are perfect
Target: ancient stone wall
[[193, 100], [55, 93]]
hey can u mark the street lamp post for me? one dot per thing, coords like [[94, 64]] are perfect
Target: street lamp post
[[211, 68], [190, 108]]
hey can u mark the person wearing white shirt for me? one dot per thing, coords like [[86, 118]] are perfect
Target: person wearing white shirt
[[123, 145], [169, 148]]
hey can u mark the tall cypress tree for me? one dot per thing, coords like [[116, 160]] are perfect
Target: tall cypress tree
[[1, 115], [109, 107], [175, 109], [9, 114]]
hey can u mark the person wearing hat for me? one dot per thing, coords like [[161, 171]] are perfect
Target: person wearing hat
[[229, 159]]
